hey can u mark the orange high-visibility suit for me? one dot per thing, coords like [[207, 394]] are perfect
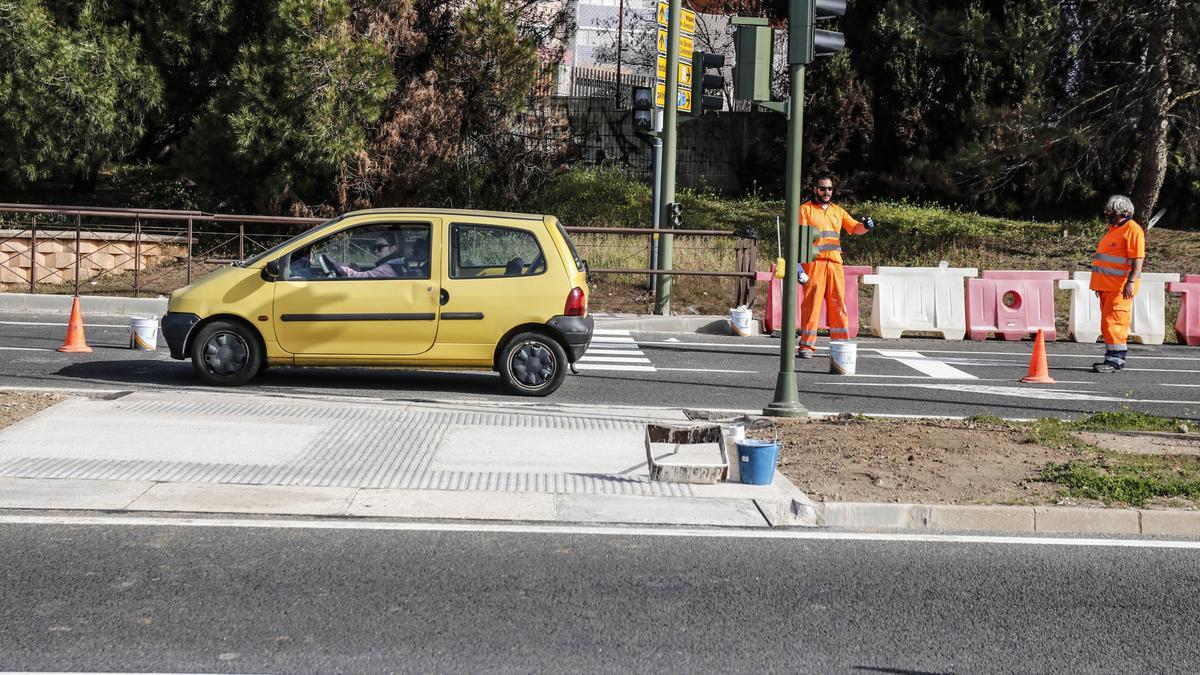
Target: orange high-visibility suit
[[826, 281], [1119, 248]]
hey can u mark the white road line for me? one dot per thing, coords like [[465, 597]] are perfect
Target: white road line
[[774, 346], [1015, 392], [588, 358], [921, 363], [609, 331], [612, 339], [1179, 385], [63, 324], [609, 531], [27, 349], [581, 365], [709, 370], [626, 351]]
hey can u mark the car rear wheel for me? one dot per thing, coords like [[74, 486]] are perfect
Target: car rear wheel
[[225, 353], [533, 364]]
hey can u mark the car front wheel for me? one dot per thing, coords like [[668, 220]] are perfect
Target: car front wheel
[[226, 354], [533, 364]]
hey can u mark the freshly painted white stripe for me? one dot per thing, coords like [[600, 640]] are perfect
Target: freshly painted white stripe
[[589, 358], [613, 366], [925, 378], [63, 323], [1015, 392], [707, 370], [610, 339], [609, 331], [1179, 385], [774, 346], [27, 349], [921, 363], [626, 351], [600, 530]]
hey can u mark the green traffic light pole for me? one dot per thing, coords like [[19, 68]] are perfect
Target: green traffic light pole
[[662, 291], [787, 399]]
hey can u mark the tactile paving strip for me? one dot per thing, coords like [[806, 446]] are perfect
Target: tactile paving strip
[[366, 446]]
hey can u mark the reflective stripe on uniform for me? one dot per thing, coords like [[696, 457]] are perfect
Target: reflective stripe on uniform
[[1104, 257], [829, 247], [1108, 271]]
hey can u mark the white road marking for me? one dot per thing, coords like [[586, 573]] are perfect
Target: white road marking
[[1015, 392], [27, 349], [63, 324], [612, 339], [599, 530], [589, 358], [583, 365], [774, 346], [708, 370], [1180, 385], [921, 363], [609, 331], [614, 352]]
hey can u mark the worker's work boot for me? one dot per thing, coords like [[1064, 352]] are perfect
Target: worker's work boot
[[1106, 367], [804, 353]]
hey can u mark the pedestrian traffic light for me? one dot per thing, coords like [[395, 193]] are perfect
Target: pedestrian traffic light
[[675, 214], [702, 82], [805, 40], [643, 108]]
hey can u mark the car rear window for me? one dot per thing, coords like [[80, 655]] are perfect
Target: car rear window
[[570, 244]]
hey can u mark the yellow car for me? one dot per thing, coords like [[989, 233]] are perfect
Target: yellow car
[[433, 288]]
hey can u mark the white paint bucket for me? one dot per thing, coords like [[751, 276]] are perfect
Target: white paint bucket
[[143, 334], [740, 320], [842, 357]]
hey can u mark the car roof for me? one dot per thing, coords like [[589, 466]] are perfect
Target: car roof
[[448, 212]]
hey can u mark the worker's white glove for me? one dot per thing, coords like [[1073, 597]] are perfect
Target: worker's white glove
[[801, 277]]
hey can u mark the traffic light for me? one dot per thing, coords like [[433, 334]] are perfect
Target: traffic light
[[805, 40], [675, 214], [702, 81], [643, 108]]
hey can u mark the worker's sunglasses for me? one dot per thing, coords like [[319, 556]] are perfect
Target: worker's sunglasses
[[825, 188]]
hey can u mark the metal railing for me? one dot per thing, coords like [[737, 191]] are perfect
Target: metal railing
[[224, 238]]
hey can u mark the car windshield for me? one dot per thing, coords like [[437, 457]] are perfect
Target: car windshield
[[274, 250]]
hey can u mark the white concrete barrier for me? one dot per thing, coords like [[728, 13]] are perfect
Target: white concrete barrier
[[930, 299], [1149, 323]]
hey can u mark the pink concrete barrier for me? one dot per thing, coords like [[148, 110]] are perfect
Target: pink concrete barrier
[[1187, 326], [1011, 304], [773, 315]]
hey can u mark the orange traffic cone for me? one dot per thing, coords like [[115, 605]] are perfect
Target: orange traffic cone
[[1038, 372], [75, 341]]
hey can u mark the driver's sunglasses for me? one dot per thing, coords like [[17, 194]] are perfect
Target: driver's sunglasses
[[825, 188], [379, 247]]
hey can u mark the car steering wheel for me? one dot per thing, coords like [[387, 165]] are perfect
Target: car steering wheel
[[329, 267], [538, 264]]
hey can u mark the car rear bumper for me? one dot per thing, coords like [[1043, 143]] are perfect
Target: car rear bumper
[[175, 329], [577, 331]]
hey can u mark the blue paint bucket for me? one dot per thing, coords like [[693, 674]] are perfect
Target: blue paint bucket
[[756, 460]]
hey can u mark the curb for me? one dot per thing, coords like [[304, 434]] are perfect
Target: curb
[[95, 304], [1011, 519], [716, 325]]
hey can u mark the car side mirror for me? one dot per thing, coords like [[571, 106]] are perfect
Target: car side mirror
[[270, 271]]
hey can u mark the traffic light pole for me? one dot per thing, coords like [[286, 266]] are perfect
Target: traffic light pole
[[658, 202], [662, 292], [787, 399]]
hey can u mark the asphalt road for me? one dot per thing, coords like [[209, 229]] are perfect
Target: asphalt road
[[220, 599], [894, 377]]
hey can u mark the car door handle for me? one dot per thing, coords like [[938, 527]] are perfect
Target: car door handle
[[445, 297]]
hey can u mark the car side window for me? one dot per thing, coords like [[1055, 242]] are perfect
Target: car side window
[[375, 251], [491, 251]]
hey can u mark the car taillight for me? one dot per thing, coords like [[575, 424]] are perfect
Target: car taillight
[[576, 303]]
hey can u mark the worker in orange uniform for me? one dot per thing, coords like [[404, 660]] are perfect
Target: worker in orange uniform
[[826, 281], [1116, 271]]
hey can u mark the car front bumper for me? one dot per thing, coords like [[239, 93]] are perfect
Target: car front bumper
[[175, 329]]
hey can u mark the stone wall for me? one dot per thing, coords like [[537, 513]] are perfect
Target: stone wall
[[52, 258]]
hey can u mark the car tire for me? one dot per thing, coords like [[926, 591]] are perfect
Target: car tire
[[226, 354], [532, 364]]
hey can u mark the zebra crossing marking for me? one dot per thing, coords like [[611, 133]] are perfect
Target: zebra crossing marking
[[614, 350]]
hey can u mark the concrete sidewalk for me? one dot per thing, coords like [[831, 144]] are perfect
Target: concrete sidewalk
[[217, 452]]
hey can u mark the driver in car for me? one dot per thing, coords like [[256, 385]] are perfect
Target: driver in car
[[388, 265]]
